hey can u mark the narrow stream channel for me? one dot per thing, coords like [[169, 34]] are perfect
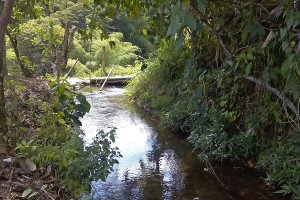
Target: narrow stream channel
[[156, 163]]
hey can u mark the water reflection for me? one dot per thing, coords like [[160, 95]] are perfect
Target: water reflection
[[156, 164]]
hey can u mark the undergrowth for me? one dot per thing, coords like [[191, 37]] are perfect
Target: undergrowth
[[227, 118], [45, 128]]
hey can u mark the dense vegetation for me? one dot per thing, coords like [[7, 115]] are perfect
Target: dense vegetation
[[226, 72], [39, 122]]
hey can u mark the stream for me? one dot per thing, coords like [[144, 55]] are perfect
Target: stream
[[156, 163]]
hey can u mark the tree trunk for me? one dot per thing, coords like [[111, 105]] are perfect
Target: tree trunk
[[4, 21], [26, 72], [65, 48]]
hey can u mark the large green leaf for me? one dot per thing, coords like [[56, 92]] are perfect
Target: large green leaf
[[287, 66], [174, 26], [202, 5], [179, 41], [190, 22]]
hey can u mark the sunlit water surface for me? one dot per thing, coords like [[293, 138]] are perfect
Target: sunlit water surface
[[156, 163]]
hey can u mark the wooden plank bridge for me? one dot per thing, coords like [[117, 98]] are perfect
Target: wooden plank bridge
[[115, 80]]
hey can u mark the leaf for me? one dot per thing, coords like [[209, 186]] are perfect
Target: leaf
[[290, 22], [188, 67], [250, 56], [44, 187], [174, 26], [283, 32], [111, 12], [286, 66], [201, 110], [244, 35], [80, 108], [248, 69], [199, 27], [31, 166], [202, 5], [145, 32], [65, 162], [284, 45], [270, 36], [32, 194], [26, 192], [237, 64], [296, 23], [77, 122], [179, 41], [190, 22]]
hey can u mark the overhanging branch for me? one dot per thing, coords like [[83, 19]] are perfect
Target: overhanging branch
[[279, 94]]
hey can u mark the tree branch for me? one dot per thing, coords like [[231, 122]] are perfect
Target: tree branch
[[279, 94], [230, 61]]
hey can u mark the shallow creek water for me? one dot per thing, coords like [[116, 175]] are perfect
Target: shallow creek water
[[156, 163]]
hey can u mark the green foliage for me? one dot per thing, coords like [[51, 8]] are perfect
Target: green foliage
[[120, 55], [79, 52], [80, 70], [57, 143], [38, 40], [283, 164], [134, 31], [123, 53], [12, 63]]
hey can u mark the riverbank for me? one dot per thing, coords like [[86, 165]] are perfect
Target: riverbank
[[46, 156], [226, 117], [158, 164], [241, 167], [21, 176]]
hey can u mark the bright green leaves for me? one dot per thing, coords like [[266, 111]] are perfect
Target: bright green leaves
[[73, 105], [101, 155]]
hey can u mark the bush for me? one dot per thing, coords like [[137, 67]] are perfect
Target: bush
[[79, 70], [283, 165], [57, 142], [12, 63], [227, 118]]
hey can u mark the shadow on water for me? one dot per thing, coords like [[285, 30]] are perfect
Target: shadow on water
[[156, 163]]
